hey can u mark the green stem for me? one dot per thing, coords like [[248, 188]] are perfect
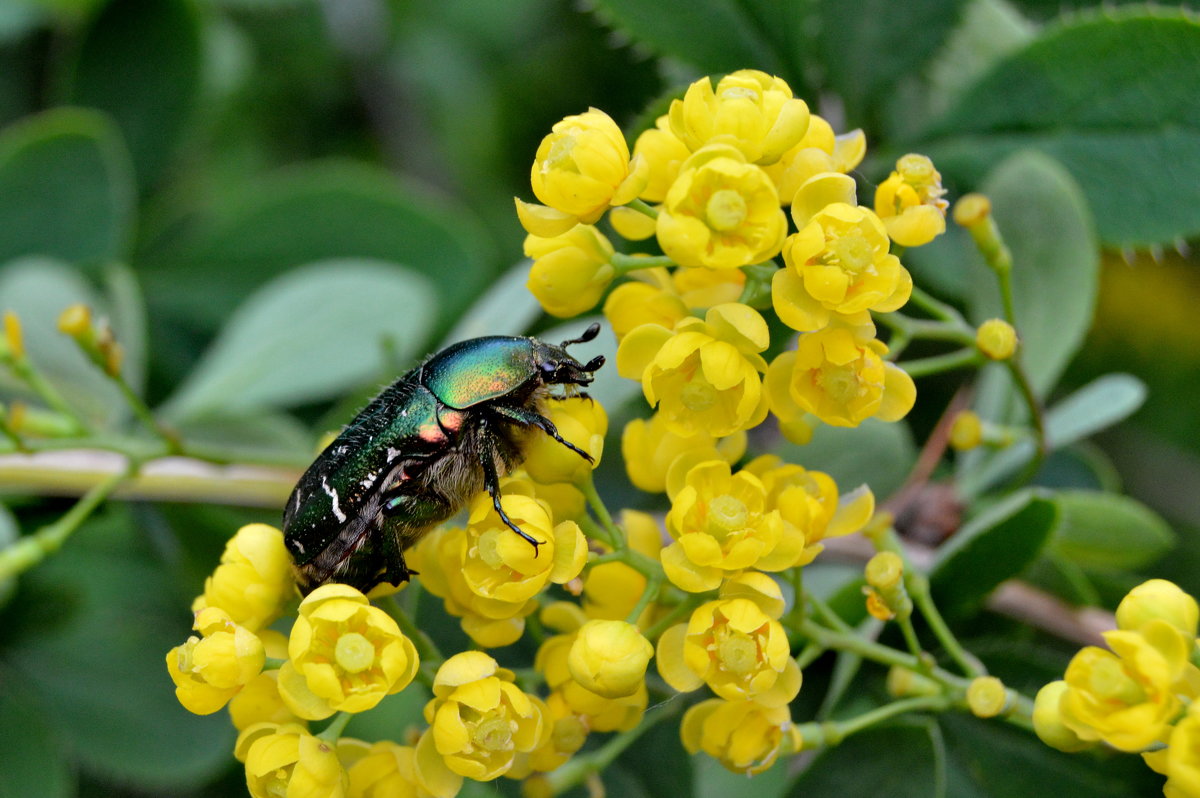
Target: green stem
[[928, 366], [1004, 277], [49, 394], [827, 614], [273, 663], [624, 264], [1036, 416], [653, 585], [798, 596], [677, 612], [578, 768], [333, 731], [28, 551], [937, 308], [142, 411], [829, 733], [809, 654], [910, 636], [616, 536], [642, 207], [928, 330]]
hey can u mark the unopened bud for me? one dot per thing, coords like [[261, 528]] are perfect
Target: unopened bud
[[75, 321], [997, 339], [13, 338], [1048, 722], [885, 570], [986, 696], [971, 209], [902, 682], [966, 432]]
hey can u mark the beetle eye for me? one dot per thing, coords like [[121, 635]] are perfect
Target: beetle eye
[[549, 368]]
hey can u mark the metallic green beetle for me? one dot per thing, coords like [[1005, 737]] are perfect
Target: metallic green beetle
[[418, 451]]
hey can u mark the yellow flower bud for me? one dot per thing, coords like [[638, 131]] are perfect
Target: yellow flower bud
[[14, 339], [570, 272], [582, 166], [1183, 758], [290, 761], [749, 110], [345, 655], [610, 658], [663, 153], [259, 702], [997, 339], [885, 570], [902, 682], [971, 209], [1159, 599], [966, 432], [581, 422], [386, 769], [75, 320], [633, 304], [1048, 720], [986, 696], [254, 579], [209, 671]]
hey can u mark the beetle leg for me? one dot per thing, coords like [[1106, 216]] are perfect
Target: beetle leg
[[534, 419], [491, 481]]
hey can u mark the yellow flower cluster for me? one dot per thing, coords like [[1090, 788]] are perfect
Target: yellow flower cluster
[[1139, 694]]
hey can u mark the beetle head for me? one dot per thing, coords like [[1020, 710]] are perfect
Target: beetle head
[[557, 367]]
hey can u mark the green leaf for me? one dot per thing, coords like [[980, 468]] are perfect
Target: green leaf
[[659, 762], [309, 335], [1055, 263], [66, 188], [32, 761], [308, 213], [1098, 405], [875, 452], [110, 72], [506, 309], [993, 760], [996, 545], [899, 761], [9, 532], [867, 46], [38, 290], [1107, 530], [99, 620], [1111, 97], [717, 35]]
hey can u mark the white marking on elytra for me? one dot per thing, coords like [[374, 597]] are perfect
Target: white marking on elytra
[[337, 511], [392, 454], [299, 546], [369, 481]]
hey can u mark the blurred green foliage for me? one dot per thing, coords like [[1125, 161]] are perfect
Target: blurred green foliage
[[280, 203]]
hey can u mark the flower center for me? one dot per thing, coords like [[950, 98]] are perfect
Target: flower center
[[560, 156], [739, 92], [738, 653], [852, 253], [698, 396], [839, 382], [277, 786], [1109, 680], [354, 653], [726, 514], [725, 210], [489, 549], [494, 734]]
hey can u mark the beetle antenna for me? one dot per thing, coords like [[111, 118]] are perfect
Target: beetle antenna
[[591, 332], [594, 363]]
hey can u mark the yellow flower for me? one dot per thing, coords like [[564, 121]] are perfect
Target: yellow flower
[[389, 770], [570, 272], [744, 736], [583, 423], [811, 509], [1127, 697], [631, 224], [611, 590], [491, 623], [721, 524], [1158, 598], [658, 459], [706, 288], [997, 339], [1048, 721], [635, 303], [208, 672], [287, 760], [721, 212], [568, 733], [734, 647], [663, 153], [582, 166], [254, 579], [749, 110], [610, 658], [704, 373], [838, 374], [599, 713], [837, 265], [819, 151], [967, 431], [910, 202], [1183, 757], [259, 702], [479, 719], [499, 565], [345, 655]]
